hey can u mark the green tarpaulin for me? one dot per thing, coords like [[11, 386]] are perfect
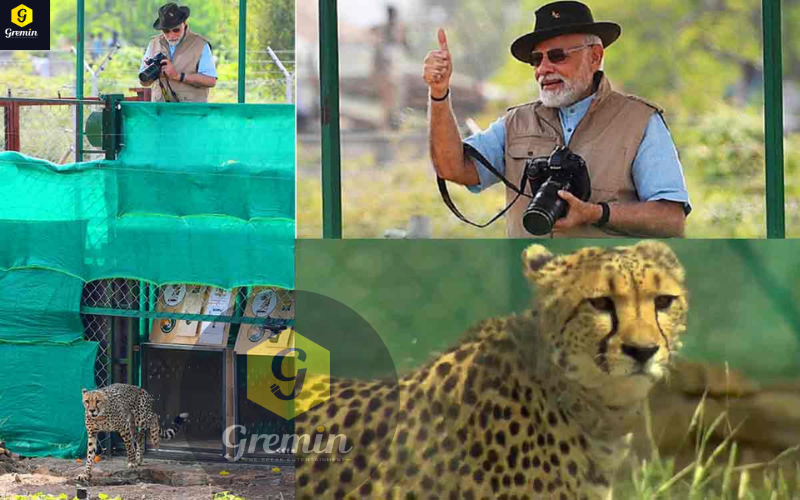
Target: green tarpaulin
[[40, 400], [200, 193]]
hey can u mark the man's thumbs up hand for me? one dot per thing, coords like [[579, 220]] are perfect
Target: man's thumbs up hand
[[437, 67]]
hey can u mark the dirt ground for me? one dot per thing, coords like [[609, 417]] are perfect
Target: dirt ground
[[154, 480]]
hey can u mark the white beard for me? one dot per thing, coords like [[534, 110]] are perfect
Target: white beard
[[570, 92], [175, 43]]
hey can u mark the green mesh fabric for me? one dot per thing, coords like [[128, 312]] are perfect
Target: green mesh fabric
[[37, 306], [200, 193], [41, 412]]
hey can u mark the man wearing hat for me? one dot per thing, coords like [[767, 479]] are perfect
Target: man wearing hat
[[637, 184], [189, 70]]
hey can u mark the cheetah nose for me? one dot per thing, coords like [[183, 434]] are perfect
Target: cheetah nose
[[639, 353]]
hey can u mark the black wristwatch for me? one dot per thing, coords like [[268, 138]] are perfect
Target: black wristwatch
[[606, 215], [183, 76]]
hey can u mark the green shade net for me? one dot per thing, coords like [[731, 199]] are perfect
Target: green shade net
[[200, 193], [41, 413]]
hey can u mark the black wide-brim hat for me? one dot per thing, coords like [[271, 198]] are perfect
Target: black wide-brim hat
[[170, 16], [563, 18]]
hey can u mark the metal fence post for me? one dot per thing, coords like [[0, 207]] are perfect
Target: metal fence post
[[329, 102], [79, 84], [242, 48], [112, 125], [12, 126], [773, 118]]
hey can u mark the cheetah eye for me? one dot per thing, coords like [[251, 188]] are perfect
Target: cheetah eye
[[604, 304], [664, 301]]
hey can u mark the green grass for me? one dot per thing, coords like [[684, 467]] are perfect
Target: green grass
[[713, 474]]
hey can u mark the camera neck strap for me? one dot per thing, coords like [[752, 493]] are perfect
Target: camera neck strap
[[473, 153], [167, 97]]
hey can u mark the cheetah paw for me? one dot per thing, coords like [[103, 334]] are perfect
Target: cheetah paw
[[132, 465], [84, 477]]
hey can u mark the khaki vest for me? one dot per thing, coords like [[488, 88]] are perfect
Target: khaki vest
[[186, 60], [607, 138]]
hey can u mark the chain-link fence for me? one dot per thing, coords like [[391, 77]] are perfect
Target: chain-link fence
[[118, 315], [45, 128]]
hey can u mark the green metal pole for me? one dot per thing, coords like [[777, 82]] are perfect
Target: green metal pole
[[142, 337], [329, 102], [79, 85], [242, 47], [773, 117]]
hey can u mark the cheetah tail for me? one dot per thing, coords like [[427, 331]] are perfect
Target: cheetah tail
[[170, 432]]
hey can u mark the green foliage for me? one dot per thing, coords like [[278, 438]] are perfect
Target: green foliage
[[722, 153], [725, 148], [684, 55], [714, 473], [226, 495]]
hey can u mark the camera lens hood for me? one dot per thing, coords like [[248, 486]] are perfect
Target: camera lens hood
[[537, 221]]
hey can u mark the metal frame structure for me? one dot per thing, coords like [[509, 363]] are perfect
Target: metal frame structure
[[114, 313], [80, 56], [331, 140]]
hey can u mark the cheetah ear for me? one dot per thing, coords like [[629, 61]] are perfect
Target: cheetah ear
[[84, 391], [660, 251], [534, 258]]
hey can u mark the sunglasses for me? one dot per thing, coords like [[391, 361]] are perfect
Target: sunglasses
[[555, 56], [173, 30]]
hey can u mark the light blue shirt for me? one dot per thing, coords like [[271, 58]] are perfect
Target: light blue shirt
[[657, 172], [205, 67]]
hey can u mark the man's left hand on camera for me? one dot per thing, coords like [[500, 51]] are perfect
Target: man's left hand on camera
[[580, 213], [168, 69]]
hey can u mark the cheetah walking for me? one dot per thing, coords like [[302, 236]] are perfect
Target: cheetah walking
[[128, 410]]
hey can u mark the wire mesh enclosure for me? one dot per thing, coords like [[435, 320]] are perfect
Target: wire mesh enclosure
[[46, 128], [119, 314]]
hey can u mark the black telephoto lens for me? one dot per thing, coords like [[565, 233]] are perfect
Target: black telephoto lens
[[545, 208]]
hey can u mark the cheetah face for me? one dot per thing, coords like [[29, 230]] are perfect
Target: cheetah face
[[94, 402], [610, 315]]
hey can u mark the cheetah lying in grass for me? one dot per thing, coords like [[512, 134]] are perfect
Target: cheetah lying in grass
[[538, 405]]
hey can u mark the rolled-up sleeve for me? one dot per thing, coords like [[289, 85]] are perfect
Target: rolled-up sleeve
[[657, 171], [206, 65], [491, 143]]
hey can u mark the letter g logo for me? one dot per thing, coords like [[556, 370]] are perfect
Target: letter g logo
[[21, 15]]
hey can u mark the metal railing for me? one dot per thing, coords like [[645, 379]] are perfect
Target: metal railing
[[49, 128]]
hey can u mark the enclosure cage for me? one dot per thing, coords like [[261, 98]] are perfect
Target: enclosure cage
[[208, 382]]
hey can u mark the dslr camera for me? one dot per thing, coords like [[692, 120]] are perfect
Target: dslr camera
[[152, 69], [562, 170]]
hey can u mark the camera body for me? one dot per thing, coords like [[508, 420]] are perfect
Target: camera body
[[562, 170], [153, 68]]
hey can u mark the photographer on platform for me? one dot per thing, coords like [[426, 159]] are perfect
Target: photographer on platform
[[637, 184], [179, 59]]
